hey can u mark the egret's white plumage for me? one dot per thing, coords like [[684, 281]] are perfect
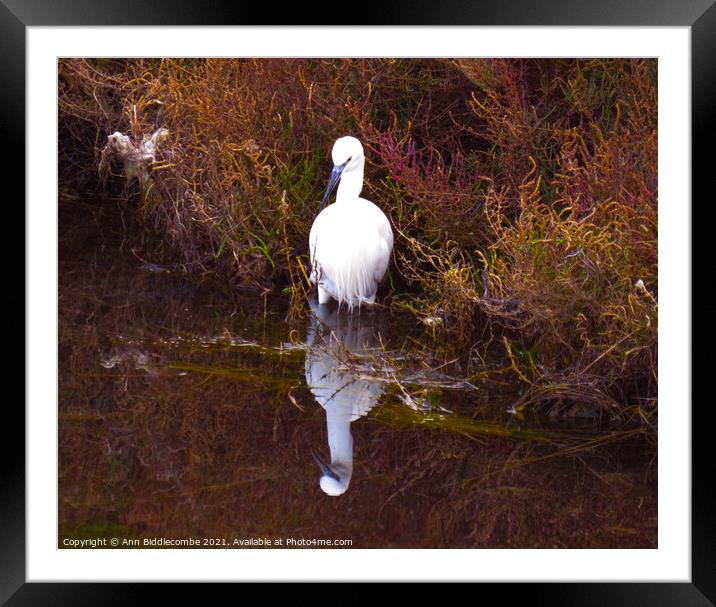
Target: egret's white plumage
[[344, 391], [351, 240]]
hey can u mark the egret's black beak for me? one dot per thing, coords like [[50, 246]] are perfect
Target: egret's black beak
[[333, 182], [325, 468]]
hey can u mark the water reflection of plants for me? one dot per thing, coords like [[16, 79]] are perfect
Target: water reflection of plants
[[182, 411]]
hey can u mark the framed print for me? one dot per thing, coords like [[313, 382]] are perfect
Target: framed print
[[373, 302]]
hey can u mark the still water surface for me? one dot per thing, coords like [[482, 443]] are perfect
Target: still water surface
[[186, 411]]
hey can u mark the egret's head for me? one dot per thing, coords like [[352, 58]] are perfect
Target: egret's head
[[331, 482], [347, 152], [332, 487], [347, 156]]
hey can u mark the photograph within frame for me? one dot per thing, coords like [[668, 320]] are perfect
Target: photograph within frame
[[513, 406]]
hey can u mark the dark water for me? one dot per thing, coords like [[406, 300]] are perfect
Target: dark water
[[188, 411]]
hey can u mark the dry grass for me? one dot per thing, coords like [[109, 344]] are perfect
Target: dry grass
[[523, 194]]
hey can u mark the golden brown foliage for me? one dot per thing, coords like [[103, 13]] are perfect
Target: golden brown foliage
[[523, 193]]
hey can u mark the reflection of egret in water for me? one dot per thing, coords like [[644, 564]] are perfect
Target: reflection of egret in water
[[339, 346]]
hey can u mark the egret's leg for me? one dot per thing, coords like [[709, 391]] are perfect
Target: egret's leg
[[370, 299], [323, 295]]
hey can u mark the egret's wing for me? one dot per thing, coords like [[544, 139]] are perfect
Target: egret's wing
[[350, 244], [385, 241]]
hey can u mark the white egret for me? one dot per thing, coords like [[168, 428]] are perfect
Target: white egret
[[346, 392], [351, 240]]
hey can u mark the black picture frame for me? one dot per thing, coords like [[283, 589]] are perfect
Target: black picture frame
[[700, 15]]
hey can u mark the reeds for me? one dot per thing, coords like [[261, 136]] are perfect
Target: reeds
[[523, 194]]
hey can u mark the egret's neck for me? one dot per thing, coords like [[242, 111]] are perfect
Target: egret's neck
[[340, 440], [351, 183]]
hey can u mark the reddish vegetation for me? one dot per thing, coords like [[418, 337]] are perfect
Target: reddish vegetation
[[523, 193]]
